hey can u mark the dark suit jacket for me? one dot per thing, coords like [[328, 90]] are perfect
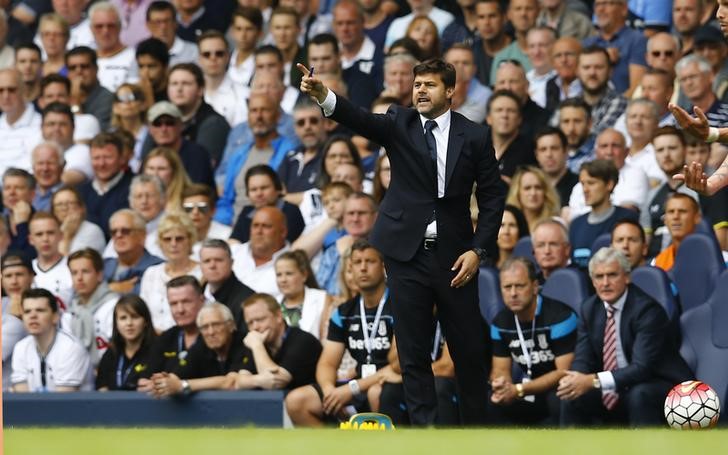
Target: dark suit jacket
[[648, 341], [412, 195]]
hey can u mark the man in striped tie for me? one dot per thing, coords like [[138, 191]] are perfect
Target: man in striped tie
[[626, 357]]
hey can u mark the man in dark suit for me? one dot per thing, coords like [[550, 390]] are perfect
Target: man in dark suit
[[425, 230], [626, 357]]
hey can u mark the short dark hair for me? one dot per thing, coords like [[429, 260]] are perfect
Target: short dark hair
[[631, 222], [219, 244], [501, 5], [677, 195], [40, 293], [525, 262], [268, 49], [191, 68], [200, 189], [132, 303], [670, 130], [325, 38], [577, 103], [252, 15], [284, 11], [30, 46], [54, 78], [22, 173], [437, 66], [551, 131], [82, 50], [154, 48], [213, 34], [57, 107], [264, 169], [503, 93], [185, 280], [595, 49], [105, 138], [159, 6], [90, 254], [604, 170], [363, 244]]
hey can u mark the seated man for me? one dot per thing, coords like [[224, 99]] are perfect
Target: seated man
[[620, 376], [48, 359], [543, 351], [51, 269], [221, 284], [198, 201], [551, 247], [18, 191], [682, 215], [363, 326], [629, 238], [282, 357]]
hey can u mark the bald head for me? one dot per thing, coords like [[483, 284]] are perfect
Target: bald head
[[511, 76], [267, 232], [611, 145]]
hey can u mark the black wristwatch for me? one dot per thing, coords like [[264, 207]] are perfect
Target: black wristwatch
[[481, 253]]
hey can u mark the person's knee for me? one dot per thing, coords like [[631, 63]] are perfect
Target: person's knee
[[300, 400]]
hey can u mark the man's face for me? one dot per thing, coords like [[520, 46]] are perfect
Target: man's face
[[262, 115], [70, 10], [200, 211], [593, 71], [610, 145], [519, 292], [38, 318], [681, 217], [722, 16], [610, 14], [244, 33], [52, 92], [11, 99], [261, 190], [538, 48], [504, 116], [550, 249], [268, 63], [57, 127], [430, 96], [269, 85], [163, 26], [47, 167], [349, 174], [216, 265], [45, 235], [695, 83], [106, 162], [16, 279], [686, 15], [489, 20], [399, 78], [641, 122], [215, 330], [462, 60], [146, 200], [564, 58], [84, 277], [522, 14], [699, 153], [550, 154], [610, 281], [152, 69], [183, 90], [662, 52], [368, 269], [627, 239], [670, 153], [267, 233], [309, 126], [260, 319], [574, 123], [80, 67], [511, 77], [359, 217], [714, 53], [184, 304], [348, 25], [656, 89], [16, 189], [166, 130], [323, 58], [53, 37], [596, 191], [213, 57], [28, 62], [126, 238], [106, 30], [284, 30]]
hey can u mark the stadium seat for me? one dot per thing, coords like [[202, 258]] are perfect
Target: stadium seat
[[489, 294], [600, 242], [568, 286], [705, 340], [656, 284], [524, 248], [697, 266]]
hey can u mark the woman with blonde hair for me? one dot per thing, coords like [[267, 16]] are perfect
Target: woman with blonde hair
[[531, 193], [176, 234], [166, 164], [128, 113], [54, 34], [424, 32]]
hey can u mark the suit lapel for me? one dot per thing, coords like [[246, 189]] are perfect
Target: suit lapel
[[417, 134], [454, 147]]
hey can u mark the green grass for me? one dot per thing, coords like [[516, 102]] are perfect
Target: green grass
[[200, 441]]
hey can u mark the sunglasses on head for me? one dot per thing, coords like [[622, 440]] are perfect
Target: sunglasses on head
[[125, 97], [189, 207]]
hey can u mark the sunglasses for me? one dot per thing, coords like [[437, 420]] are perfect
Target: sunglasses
[[121, 231], [210, 54], [203, 207], [311, 120], [164, 122], [79, 66], [125, 97], [662, 53]]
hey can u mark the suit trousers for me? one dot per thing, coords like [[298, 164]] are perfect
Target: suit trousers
[[416, 287]]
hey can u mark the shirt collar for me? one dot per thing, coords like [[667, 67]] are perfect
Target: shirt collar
[[109, 185], [619, 304], [443, 121]]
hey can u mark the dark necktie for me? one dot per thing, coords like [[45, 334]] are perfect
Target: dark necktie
[[609, 353], [430, 138]]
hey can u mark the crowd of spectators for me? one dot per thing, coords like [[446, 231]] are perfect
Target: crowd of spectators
[[177, 216]]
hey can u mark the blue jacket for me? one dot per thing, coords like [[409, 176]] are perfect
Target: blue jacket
[[137, 270], [224, 211]]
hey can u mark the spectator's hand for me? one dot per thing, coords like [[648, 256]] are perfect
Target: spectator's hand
[[574, 385], [613, 55], [506, 394], [255, 339], [335, 401], [145, 385], [166, 385], [312, 86], [124, 287], [269, 380], [468, 264], [344, 243], [21, 212], [78, 94], [70, 225], [387, 374], [697, 126]]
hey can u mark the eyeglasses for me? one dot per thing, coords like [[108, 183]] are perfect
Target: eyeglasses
[[175, 239], [662, 53], [564, 54], [9, 90], [123, 232], [209, 54], [311, 120], [214, 326], [125, 97], [202, 207], [79, 66], [160, 122]]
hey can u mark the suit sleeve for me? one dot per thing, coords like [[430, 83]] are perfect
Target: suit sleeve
[[376, 127], [490, 194]]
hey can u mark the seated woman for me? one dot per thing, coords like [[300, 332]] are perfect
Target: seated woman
[[264, 188], [531, 193], [68, 207], [382, 178], [166, 164], [303, 302], [513, 228], [125, 361], [129, 114]]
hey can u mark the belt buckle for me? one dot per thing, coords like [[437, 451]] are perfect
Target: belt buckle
[[430, 244]]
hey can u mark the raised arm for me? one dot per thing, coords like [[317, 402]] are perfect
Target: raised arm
[[696, 179]]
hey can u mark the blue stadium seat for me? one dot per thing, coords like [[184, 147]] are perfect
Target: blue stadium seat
[[655, 282], [705, 340], [524, 248], [568, 286], [697, 266], [489, 294], [600, 242]]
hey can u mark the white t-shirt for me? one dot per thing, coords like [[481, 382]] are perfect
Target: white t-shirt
[[314, 301], [81, 35], [242, 74], [645, 160], [632, 189], [153, 290], [229, 100], [57, 279], [216, 231], [85, 127], [67, 364], [182, 52], [260, 278], [118, 69], [17, 140], [78, 158]]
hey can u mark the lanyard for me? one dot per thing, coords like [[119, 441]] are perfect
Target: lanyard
[[121, 379], [436, 343], [43, 365], [367, 336], [181, 354], [524, 348]]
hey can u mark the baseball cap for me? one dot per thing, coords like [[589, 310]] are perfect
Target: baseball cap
[[163, 108], [15, 259], [708, 34]]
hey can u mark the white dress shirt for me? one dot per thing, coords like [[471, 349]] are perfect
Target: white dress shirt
[[606, 378]]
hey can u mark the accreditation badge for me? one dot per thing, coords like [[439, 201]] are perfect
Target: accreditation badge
[[368, 369]]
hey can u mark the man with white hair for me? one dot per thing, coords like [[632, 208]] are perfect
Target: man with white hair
[[19, 123], [116, 62], [399, 78], [642, 120], [48, 162], [695, 76], [539, 42]]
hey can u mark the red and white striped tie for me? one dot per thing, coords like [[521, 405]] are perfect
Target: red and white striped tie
[[609, 356]]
